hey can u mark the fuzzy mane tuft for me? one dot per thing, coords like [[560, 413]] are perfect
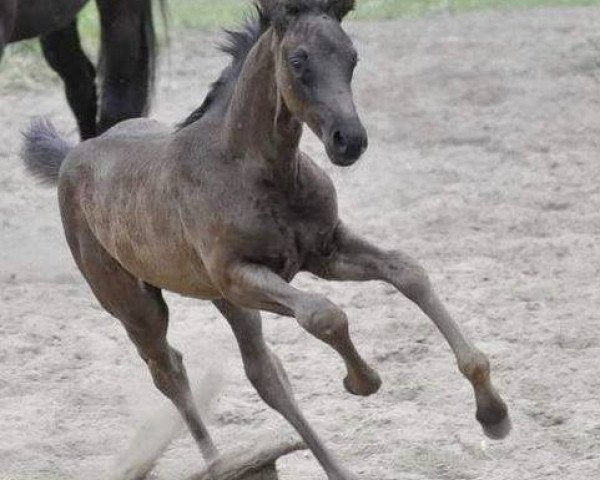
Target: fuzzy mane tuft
[[238, 45]]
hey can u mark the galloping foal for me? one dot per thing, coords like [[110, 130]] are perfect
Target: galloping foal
[[228, 209]]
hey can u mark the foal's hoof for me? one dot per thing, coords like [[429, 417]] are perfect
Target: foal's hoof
[[367, 384], [495, 421], [498, 431]]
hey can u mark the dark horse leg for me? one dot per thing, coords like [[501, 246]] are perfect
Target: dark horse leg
[[8, 12], [63, 52], [127, 60], [3, 35]]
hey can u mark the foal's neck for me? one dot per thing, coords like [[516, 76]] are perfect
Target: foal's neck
[[257, 121]]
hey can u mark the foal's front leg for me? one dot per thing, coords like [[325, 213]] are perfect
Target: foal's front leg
[[266, 373], [256, 287], [358, 260]]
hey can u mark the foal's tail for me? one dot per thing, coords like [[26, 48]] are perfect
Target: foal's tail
[[44, 150]]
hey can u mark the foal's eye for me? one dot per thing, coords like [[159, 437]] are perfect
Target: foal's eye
[[298, 61]]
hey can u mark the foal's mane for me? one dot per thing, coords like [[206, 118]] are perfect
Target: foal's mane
[[239, 43]]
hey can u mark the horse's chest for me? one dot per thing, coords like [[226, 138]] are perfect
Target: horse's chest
[[293, 233]]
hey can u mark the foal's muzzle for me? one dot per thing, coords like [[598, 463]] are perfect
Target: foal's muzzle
[[346, 143]]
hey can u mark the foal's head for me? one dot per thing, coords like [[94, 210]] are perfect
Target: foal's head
[[315, 62]]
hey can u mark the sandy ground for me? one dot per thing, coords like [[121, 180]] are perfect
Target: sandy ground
[[483, 164]]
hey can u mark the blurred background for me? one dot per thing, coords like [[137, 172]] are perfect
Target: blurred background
[[21, 64]]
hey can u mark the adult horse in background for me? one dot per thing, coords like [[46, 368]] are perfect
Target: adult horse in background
[[128, 54]]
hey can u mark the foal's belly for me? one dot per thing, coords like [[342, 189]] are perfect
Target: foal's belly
[[170, 267], [151, 249]]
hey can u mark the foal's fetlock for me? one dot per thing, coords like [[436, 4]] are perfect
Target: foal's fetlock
[[475, 366], [492, 412]]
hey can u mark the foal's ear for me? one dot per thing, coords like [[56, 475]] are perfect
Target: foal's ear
[[266, 5], [341, 8]]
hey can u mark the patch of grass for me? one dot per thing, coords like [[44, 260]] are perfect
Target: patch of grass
[[207, 13], [89, 25]]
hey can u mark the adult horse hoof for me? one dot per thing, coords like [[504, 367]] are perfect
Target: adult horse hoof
[[499, 430], [365, 385]]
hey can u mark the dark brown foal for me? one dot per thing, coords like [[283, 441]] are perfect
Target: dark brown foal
[[228, 209]]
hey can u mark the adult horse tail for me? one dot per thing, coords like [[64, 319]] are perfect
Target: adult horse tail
[[44, 151]]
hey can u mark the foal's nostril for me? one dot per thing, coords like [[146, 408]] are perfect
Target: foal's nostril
[[340, 142]]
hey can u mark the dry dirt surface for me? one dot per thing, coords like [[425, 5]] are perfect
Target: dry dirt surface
[[483, 164]]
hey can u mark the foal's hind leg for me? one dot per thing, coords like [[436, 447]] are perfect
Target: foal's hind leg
[[266, 373], [63, 52], [357, 260], [143, 312]]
